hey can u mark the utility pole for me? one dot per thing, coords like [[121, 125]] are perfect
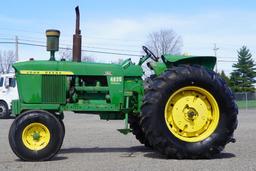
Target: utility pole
[[16, 48], [215, 49]]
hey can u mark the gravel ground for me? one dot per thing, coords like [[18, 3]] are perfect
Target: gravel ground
[[92, 144]]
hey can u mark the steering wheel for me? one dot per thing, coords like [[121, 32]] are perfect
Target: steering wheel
[[150, 53]]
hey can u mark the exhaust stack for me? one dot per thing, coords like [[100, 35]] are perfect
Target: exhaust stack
[[77, 39]]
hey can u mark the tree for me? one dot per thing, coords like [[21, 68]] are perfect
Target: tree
[[66, 54], [225, 77], [243, 76], [87, 59], [118, 61], [164, 42], [7, 58]]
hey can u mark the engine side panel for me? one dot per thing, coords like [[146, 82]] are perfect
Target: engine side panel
[[79, 87]]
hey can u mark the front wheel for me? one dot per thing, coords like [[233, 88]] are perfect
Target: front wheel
[[189, 112], [4, 111], [36, 136]]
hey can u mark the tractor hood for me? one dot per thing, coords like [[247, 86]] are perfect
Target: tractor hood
[[76, 68]]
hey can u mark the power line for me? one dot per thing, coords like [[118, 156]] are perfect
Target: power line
[[112, 53], [90, 47], [31, 44], [84, 50], [96, 51], [226, 61], [103, 48], [220, 59], [7, 42], [29, 40], [4, 38], [70, 45], [103, 52], [124, 41]]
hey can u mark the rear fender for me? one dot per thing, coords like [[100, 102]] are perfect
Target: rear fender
[[170, 61]]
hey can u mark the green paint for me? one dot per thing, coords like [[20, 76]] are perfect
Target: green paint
[[111, 90], [174, 60], [126, 129], [36, 136]]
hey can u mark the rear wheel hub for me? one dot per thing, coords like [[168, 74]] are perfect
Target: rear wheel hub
[[191, 114]]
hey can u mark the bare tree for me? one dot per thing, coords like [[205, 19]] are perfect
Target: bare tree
[[164, 42], [7, 58], [86, 58], [118, 61], [66, 54]]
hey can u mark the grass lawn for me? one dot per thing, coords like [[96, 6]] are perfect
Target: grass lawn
[[250, 104]]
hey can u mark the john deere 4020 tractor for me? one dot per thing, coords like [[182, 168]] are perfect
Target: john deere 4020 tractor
[[184, 110]]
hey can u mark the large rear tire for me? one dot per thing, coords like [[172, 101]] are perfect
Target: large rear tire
[[134, 122], [148, 81], [36, 136], [189, 112]]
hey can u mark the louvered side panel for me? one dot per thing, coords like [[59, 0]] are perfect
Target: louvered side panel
[[54, 89]]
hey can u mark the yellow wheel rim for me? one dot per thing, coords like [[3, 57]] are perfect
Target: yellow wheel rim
[[192, 114], [36, 136]]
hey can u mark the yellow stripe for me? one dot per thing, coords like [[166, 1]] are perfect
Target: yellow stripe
[[33, 72], [52, 33]]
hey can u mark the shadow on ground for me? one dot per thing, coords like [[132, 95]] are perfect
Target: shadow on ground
[[155, 155], [106, 150], [135, 149], [56, 158]]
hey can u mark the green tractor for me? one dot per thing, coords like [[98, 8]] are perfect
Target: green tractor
[[183, 110]]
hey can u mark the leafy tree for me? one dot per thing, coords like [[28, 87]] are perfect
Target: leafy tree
[[225, 77], [243, 76]]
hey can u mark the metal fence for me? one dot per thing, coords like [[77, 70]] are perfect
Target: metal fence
[[246, 100]]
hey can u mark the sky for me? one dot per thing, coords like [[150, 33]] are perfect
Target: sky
[[124, 26]]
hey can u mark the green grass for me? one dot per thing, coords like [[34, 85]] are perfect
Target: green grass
[[250, 104]]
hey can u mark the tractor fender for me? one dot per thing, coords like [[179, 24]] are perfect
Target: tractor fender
[[206, 61], [171, 60]]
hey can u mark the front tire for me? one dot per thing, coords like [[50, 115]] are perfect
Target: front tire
[[4, 111], [189, 112], [63, 130], [36, 136]]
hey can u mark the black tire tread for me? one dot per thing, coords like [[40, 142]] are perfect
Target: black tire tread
[[134, 122], [5, 115], [154, 92], [13, 129]]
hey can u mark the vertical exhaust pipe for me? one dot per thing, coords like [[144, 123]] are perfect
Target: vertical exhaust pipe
[[77, 39]]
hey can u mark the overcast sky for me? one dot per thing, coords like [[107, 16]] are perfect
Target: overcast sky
[[124, 25]]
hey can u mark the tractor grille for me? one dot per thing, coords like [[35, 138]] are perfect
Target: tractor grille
[[54, 89]]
